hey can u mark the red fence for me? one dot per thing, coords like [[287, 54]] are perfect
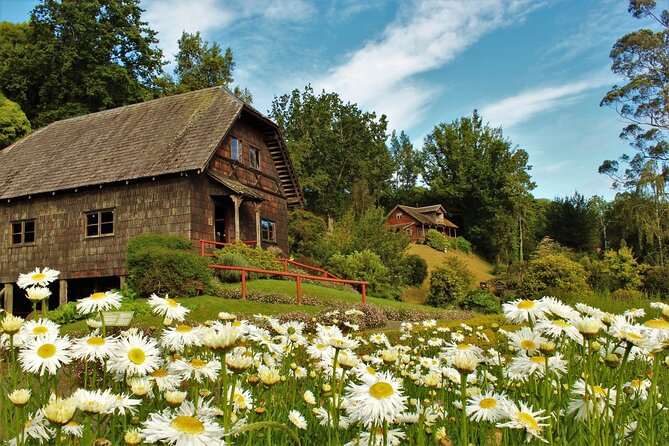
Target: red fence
[[298, 279], [323, 272]]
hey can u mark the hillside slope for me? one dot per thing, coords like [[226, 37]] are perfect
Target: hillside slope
[[480, 269]]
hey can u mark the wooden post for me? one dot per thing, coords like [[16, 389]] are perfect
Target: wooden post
[[122, 281], [243, 284], [237, 200], [299, 290], [258, 227], [62, 292], [202, 247], [285, 265], [9, 298], [364, 294]]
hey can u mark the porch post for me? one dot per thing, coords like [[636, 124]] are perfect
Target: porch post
[[62, 294], [9, 298], [258, 227], [237, 200]]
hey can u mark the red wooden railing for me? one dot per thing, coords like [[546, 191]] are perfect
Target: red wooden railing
[[298, 279], [323, 272], [203, 243]]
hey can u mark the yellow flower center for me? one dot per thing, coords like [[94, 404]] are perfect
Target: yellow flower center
[[488, 403], [237, 324], [98, 296], [561, 323], [320, 346], [656, 323], [38, 277], [598, 390], [528, 420], [526, 304], [538, 359], [528, 344], [381, 390], [171, 302], [371, 370], [187, 425], [636, 383], [28, 422], [630, 335], [136, 355], [95, 341], [197, 363], [45, 351], [40, 330], [160, 373], [463, 346], [184, 328]]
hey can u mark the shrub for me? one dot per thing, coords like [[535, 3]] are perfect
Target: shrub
[[554, 271], [627, 295], [255, 256], [449, 283], [66, 314], [231, 259], [365, 266], [166, 265], [622, 269], [436, 240], [480, 301], [598, 278], [656, 281], [463, 245], [415, 270]]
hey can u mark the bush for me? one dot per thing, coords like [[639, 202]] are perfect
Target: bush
[[365, 266], [463, 245], [414, 270], [627, 295], [553, 271], [480, 301], [256, 257], [231, 259], [437, 240], [166, 265], [622, 269], [66, 314], [656, 281], [449, 283], [598, 278]]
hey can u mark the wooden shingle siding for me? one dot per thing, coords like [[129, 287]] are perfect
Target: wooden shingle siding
[[160, 206]]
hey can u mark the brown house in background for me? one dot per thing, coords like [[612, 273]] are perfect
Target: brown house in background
[[203, 165], [416, 221]]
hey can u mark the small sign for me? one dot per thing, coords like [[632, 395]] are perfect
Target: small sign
[[118, 318]]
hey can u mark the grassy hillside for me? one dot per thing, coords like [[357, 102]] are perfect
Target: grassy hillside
[[480, 269]]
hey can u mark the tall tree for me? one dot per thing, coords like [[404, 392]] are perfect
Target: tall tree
[[200, 65], [338, 151], [13, 122], [84, 56], [482, 180], [408, 162], [573, 222]]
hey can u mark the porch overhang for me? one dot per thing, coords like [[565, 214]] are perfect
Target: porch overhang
[[235, 187]]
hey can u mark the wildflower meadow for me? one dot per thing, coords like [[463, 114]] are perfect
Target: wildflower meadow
[[556, 374]]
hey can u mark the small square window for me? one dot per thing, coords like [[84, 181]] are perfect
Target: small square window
[[23, 232], [409, 231], [398, 215], [254, 157], [99, 223], [235, 149], [268, 230]]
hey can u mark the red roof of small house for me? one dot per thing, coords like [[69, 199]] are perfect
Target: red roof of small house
[[420, 215]]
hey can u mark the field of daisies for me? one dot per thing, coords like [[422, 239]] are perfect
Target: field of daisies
[[555, 374]]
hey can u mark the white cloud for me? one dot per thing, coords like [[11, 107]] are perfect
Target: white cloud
[[426, 35], [521, 107]]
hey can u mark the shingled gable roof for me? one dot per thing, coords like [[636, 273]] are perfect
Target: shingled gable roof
[[159, 137], [417, 214]]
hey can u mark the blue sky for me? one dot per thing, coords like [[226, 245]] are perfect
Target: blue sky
[[538, 68]]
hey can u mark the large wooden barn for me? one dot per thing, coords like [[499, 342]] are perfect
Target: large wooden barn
[[204, 165]]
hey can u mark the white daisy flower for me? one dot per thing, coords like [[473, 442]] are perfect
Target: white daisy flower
[[39, 277], [93, 347], [196, 368], [522, 310], [558, 327], [526, 418], [164, 380], [45, 354], [393, 437], [168, 308], [297, 419], [176, 339], [35, 427], [97, 302], [182, 427], [134, 355], [488, 406], [39, 327], [526, 339], [95, 401], [73, 429], [377, 400], [37, 293], [591, 400]]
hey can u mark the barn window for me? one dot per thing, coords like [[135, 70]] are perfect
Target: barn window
[[23, 232], [99, 223], [268, 230], [254, 157], [235, 149], [409, 231], [399, 215]]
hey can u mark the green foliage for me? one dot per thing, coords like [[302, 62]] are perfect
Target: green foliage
[[305, 230], [13, 122], [598, 276], [627, 295], [449, 283], [555, 271], [656, 281], [415, 270], [338, 151], [65, 314], [166, 265], [408, 163], [461, 244], [573, 222], [622, 269], [365, 266], [79, 57], [255, 257], [200, 65], [435, 239], [482, 179], [481, 302], [231, 259]]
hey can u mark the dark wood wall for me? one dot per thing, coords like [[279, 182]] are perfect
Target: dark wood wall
[[159, 206]]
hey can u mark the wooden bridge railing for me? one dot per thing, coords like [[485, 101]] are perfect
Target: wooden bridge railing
[[298, 279]]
